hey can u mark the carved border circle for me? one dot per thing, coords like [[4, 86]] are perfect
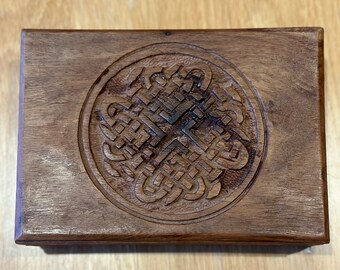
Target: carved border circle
[[163, 49]]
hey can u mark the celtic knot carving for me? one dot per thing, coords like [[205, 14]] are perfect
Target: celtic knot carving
[[173, 133]]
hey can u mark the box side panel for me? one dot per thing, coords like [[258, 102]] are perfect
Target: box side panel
[[19, 192], [321, 77]]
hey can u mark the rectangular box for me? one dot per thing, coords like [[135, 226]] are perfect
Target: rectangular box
[[172, 137]]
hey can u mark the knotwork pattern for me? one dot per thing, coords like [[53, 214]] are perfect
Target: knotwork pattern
[[174, 134]]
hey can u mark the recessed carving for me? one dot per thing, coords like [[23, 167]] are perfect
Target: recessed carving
[[171, 133]]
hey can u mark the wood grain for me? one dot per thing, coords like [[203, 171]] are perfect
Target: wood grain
[[174, 170], [153, 15]]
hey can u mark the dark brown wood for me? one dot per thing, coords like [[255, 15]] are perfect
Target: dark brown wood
[[172, 136]]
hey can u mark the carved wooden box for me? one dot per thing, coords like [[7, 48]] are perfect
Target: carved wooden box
[[172, 137]]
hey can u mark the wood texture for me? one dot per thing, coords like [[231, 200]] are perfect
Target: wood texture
[[174, 135], [209, 14]]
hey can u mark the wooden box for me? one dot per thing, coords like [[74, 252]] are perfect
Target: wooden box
[[172, 137]]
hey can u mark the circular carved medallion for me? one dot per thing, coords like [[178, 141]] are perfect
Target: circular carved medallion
[[172, 133]]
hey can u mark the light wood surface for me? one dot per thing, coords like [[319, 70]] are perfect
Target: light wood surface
[[15, 15]]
